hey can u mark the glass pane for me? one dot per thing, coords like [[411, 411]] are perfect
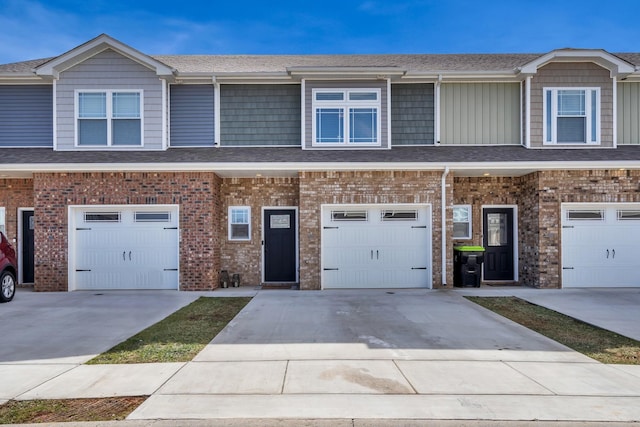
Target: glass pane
[[629, 214], [126, 132], [348, 215], [239, 231], [572, 129], [92, 105], [126, 105], [363, 96], [549, 118], [461, 214], [329, 96], [497, 229], [461, 230], [329, 125], [239, 216], [363, 122], [102, 217], [400, 215], [592, 214], [92, 132], [153, 216], [571, 103]]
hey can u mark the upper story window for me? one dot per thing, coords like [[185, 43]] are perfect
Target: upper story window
[[109, 118], [346, 116], [571, 116]]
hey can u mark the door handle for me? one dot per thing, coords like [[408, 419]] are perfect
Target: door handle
[[129, 255], [614, 253], [377, 254], [124, 256], [371, 253], [607, 253]]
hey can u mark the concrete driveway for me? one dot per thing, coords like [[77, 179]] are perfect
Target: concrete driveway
[[331, 354]]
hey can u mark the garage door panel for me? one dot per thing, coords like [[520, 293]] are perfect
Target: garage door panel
[[600, 252], [126, 254], [376, 252]]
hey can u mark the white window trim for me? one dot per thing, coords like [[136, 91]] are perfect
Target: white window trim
[[345, 104], [554, 115], [109, 94], [470, 222], [229, 224], [3, 220]]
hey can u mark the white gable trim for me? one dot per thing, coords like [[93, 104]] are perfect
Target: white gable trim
[[617, 66], [54, 67]]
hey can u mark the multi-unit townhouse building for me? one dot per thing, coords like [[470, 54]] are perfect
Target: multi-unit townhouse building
[[123, 170]]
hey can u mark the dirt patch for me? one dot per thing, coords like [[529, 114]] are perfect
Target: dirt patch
[[67, 410]]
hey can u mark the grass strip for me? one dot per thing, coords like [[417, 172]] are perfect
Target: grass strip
[[179, 337], [67, 410], [597, 343]]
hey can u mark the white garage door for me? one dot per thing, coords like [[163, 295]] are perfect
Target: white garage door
[[376, 246], [600, 245], [124, 247]]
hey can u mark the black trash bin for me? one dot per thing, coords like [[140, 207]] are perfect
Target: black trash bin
[[467, 265]]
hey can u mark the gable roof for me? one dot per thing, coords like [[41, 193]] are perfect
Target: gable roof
[[615, 64], [53, 67]]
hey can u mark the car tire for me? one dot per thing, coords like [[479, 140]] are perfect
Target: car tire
[[7, 286]]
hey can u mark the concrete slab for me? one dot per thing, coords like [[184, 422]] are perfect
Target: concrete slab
[[73, 327], [227, 378], [433, 407], [375, 325], [18, 379], [346, 377], [105, 381], [630, 369], [467, 377], [580, 379]]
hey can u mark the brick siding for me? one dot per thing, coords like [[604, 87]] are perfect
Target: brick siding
[[14, 194]]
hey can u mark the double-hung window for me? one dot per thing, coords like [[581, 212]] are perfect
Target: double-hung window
[[571, 116], [462, 222], [346, 116], [109, 118], [239, 223]]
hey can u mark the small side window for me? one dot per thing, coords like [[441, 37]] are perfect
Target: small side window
[[399, 215], [239, 223], [102, 217], [462, 222], [153, 216], [582, 215], [349, 215], [628, 215]]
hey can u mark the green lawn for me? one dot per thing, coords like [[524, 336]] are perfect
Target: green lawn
[[179, 337], [599, 344]]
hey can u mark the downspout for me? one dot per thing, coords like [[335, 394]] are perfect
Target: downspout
[[443, 205], [216, 112]]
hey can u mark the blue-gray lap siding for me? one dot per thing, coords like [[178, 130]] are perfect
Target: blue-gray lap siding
[[412, 114], [192, 116], [26, 116], [257, 115]]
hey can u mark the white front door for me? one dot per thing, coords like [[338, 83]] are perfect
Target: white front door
[[117, 247], [376, 246], [600, 245]]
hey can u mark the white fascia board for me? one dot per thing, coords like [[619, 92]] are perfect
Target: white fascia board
[[22, 79], [617, 66], [85, 51], [461, 76], [317, 166]]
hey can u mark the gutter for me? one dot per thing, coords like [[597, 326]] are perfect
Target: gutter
[[443, 206]]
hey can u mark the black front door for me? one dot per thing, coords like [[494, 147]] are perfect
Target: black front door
[[498, 244], [279, 245], [27, 246]]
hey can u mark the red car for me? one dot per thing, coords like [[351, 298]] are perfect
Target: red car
[[7, 270]]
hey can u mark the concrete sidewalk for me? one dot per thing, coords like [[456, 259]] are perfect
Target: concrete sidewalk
[[365, 355]]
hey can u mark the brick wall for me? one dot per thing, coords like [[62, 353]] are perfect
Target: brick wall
[[196, 193], [14, 194], [367, 187], [245, 257]]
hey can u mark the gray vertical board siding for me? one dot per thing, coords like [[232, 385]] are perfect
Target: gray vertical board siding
[[572, 74], [109, 70], [480, 113], [192, 115], [412, 114], [26, 116], [370, 84], [628, 113], [253, 114]]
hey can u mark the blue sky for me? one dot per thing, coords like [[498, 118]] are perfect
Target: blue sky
[[31, 29]]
